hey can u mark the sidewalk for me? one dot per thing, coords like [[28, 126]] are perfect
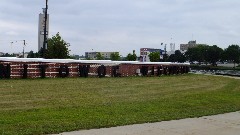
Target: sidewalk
[[223, 124]]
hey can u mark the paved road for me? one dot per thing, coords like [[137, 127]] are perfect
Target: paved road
[[224, 124], [227, 65], [233, 77]]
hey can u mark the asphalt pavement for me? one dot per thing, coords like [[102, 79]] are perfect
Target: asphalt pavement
[[223, 124]]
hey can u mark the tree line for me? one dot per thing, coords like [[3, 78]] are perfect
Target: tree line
[[202, 54]]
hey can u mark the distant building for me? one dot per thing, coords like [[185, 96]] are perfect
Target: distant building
[[172, 49], [41, 25], [144, 52], [90, 55], [74, 56], [191, 44], [106, 55], [93, 55], [82, 57]]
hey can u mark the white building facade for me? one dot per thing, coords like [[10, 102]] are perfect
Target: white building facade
[[93, 55], [144, 52], [41, 26]]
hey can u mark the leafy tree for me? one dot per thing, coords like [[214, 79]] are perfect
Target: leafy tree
[[99, 56], [171, 58], [131, 57], [154, 56], [213, 54], [233, 53], [177, 57], [191, 54], [115, 56], [224, 56], [165, 57], [40, 53], [8, 55], [197, 53], [31, 54], [57, 48]]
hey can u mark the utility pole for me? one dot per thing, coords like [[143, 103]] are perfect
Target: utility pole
[[45, 30], [165, 50], [24, 44]]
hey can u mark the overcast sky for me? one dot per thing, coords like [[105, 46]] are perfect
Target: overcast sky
[[121, 25]]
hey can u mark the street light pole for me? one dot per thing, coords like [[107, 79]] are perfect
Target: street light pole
[[45, 30], [24, 44]]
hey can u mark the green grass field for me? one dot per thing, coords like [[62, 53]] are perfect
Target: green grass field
[[45, 106]]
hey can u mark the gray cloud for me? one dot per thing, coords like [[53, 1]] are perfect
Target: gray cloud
[[107, 25]]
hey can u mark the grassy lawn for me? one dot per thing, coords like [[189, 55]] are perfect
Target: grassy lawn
[[44, 106]]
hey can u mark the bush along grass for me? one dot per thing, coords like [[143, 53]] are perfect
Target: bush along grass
[[45, 106]]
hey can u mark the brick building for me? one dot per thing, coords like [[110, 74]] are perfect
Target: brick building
[[190, 44]]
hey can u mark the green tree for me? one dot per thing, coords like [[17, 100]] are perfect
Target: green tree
[[224, 56], [171, 58], [177, 57], [154, 56], [99, 56], [233, 54], [57, 48], [40, 53], [31, 55], [197, 53], [8, 55], [115, 56], [213, 54], [165, 57], [131, 57]]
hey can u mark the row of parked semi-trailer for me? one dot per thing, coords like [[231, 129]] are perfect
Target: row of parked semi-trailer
[[35, 68]]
